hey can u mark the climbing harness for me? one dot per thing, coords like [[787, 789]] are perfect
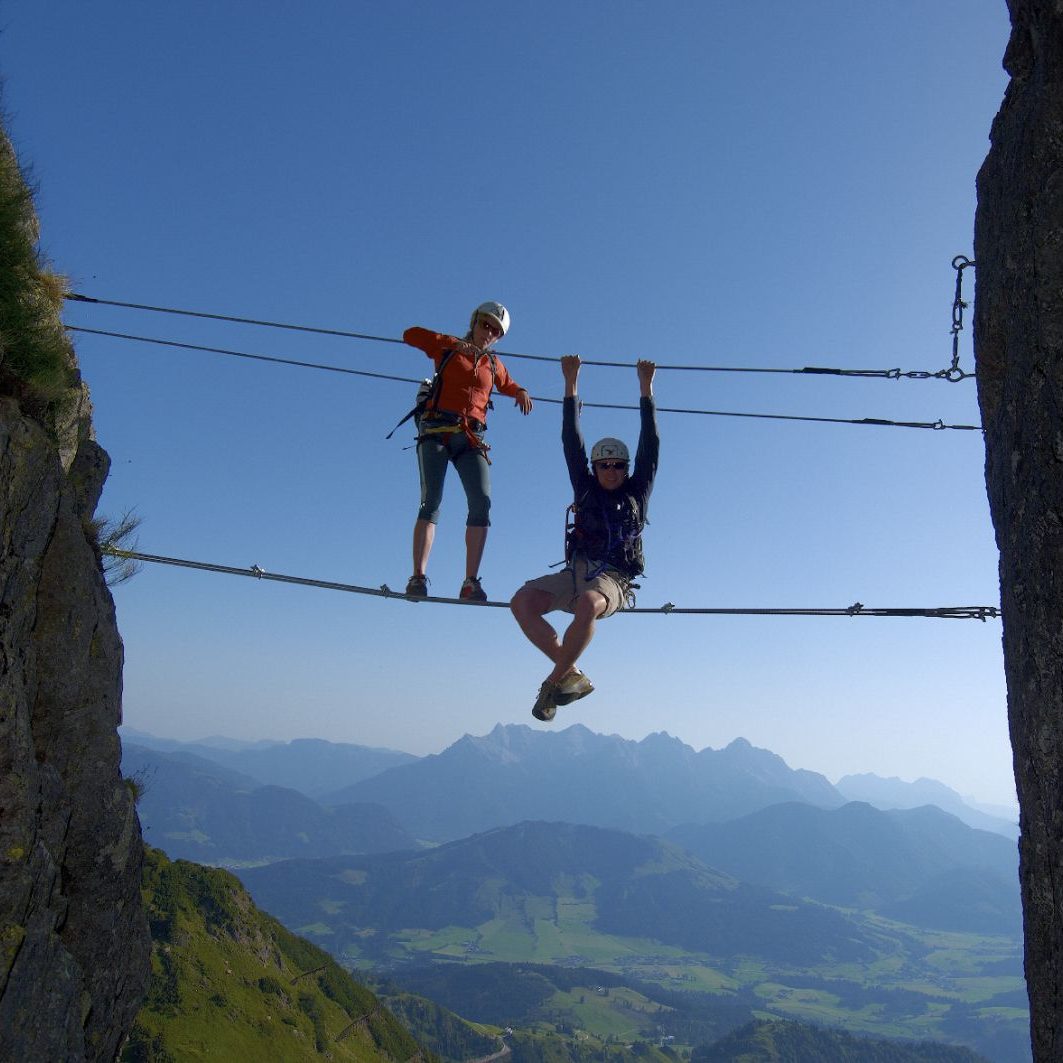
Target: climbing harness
[[611, 535], [598, 535], [432, 426], [430, 420]]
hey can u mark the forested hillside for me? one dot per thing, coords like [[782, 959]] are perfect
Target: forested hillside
[[229, 982]]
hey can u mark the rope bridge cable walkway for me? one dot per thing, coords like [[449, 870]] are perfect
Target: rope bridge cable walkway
[[953, 374], [873, 421], [957, 612]]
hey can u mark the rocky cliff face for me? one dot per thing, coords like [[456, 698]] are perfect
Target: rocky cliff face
[[1018, 333], [74, 942]]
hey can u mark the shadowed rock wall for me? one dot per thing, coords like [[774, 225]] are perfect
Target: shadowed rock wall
[[1018, 335], [74, 942]]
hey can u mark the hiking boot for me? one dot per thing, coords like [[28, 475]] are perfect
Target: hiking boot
[[471, 591], [417, 587], [545, 704], [572, 687]]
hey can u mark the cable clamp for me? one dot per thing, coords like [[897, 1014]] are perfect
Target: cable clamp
[[856, 607], [667, 607], [258, 571]]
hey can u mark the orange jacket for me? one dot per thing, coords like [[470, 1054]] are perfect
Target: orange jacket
[[466, 385]]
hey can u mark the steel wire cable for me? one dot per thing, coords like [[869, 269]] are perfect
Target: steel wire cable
[[870, 421], [953, 374], [961, 612]]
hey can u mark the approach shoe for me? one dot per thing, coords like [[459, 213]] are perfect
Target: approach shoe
[[417, 587], [572, 687], [471, 591], [546, 703]]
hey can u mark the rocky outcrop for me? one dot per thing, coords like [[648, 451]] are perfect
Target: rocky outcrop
[[1018, 333], [74, 943]]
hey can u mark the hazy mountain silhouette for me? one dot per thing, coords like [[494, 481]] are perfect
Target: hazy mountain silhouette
[[310, 765], [516, 773], [901, 863], [896, 793], [638, 887], [195, 809]]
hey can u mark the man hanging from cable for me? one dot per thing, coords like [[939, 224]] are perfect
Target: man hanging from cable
[[603, 546]]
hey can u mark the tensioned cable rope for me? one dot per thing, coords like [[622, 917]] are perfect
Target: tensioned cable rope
[[873, 421], [958, 612], [952, 374], [240, 354]]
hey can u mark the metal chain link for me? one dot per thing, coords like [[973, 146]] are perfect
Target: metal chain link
[[954, 372]]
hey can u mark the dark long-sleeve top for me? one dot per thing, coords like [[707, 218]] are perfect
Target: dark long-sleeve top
[[605, 518]]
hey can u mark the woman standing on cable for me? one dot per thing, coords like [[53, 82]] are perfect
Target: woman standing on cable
[[451, 418]]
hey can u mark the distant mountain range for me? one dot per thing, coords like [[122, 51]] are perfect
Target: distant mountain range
[[920, 866], [574, 775], [516, 773], [310, 765], [197, 809], [895, 793]]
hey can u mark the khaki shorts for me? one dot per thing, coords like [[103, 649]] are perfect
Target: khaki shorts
[[566, 586]]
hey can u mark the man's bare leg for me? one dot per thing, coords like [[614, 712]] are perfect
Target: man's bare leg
[[529, 607], [589, 606]]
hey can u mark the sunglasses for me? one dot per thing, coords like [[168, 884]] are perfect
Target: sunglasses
[[490, 327], [611, 465]]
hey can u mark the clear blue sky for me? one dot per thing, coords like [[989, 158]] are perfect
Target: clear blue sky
[[766, 184]]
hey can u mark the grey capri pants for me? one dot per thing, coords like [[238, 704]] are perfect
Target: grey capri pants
[[434, 453]]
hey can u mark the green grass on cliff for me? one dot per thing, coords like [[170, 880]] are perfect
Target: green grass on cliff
[[229, 982], [36, 359]]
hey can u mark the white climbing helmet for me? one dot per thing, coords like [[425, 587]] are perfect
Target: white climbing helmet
[[609, 449], [495, 311]]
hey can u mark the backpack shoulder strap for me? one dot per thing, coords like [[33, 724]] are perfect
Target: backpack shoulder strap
[[432, 393], [431, 400]]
